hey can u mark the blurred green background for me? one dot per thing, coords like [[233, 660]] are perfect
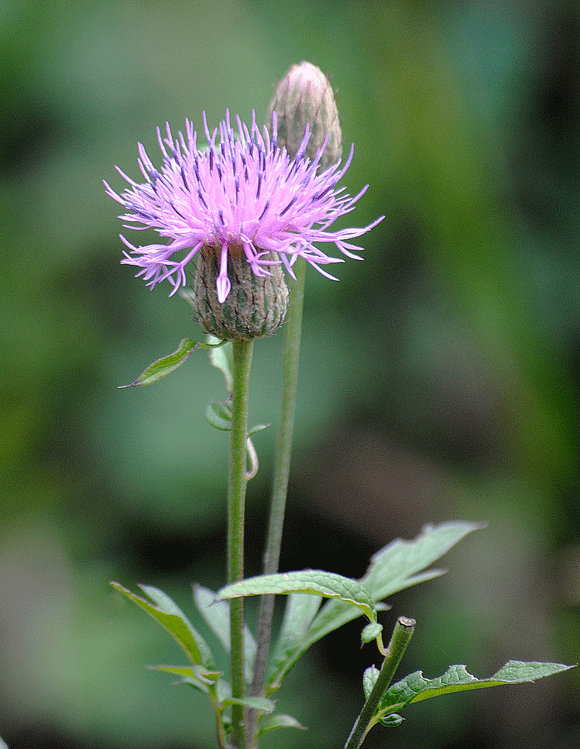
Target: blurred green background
[[438, 379]]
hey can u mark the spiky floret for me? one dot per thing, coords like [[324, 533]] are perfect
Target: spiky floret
[[241, 194]]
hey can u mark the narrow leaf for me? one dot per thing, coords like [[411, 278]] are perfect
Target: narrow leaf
[[272, 722], [394, 567], [317, 582], [258, 428], [416, 687], [222, 358], [174, 621], [255, 703], [217, 617], [196, 672], [197, 676], [219, 415], [166, 365]]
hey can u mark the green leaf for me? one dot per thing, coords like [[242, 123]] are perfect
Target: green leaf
[[317, 582], [391, 721], [258, 428], [217, 616], [174, 621], [392, 569], [222, 358], [299, 612], [272, 722], [255, 703], [219, 415], [197, 672], [416, 687], [166, 365], [197, 676], [371, 632], [370, 677]]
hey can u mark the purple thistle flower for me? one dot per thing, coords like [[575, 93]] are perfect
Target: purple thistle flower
[[242, 195]]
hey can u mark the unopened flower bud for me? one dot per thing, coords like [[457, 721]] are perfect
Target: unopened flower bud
[[304, 96], [255, 306]]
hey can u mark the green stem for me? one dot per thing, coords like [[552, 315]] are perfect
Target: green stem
[[400, 639], [242, 352], [293, 327]]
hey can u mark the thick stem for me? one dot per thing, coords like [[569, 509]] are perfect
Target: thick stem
[[400, 639], [293, 327], [242, 352]]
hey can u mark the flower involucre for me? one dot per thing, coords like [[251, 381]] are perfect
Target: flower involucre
[[240, 197]]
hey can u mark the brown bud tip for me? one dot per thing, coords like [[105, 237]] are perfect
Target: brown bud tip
[[304, 96]]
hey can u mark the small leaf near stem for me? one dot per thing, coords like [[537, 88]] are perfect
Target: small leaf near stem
[[164, 366], [280, 720], [221, 357], [167, 364], [404, 629], [253, 458]]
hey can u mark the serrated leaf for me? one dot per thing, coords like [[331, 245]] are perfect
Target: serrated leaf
[[174, 621], [261, 704], [317, 582], [217, 616], [393, 568], [416, 687], [272, 722], [166, 365], [197, 676], [219, 415], [222, 358]]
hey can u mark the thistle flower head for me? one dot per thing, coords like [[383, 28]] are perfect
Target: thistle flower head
[[240, 198]]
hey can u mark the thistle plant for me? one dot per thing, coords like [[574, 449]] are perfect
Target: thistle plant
[[239, 215]]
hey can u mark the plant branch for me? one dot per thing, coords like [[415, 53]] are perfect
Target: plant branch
[[281, 476], [242, 354], [400, 639]]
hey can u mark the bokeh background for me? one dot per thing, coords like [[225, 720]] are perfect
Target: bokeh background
[[438, 378]]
